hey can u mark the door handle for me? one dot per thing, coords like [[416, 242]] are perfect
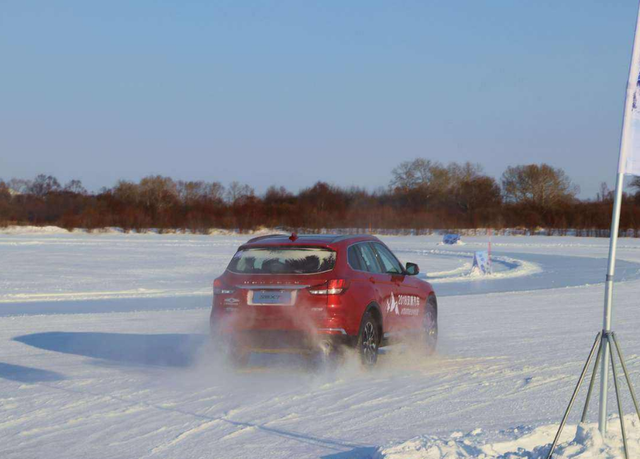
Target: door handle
[[372, 280]]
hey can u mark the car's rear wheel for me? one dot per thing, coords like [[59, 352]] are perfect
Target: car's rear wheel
[[238, 357], [368, 340], [430, 325], [237, 354], [326, 355]]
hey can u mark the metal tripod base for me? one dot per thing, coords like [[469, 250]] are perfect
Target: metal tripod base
[[603, 339]]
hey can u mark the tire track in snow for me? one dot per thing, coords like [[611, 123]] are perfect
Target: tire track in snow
[[184, 435]]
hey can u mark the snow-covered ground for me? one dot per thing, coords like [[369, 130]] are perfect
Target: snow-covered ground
[[104, 354]]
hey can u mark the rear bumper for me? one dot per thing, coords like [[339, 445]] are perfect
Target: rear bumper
[[314, 322], [287, 341]]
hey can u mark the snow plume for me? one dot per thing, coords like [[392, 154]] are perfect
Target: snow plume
[[525, 443], [218, 351], [267, 373]]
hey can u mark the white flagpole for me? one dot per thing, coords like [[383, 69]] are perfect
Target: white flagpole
[[625, 145]]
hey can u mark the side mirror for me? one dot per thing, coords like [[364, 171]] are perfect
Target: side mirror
[[412, 269]]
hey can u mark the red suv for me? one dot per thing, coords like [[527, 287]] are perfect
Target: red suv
[[298, 293]]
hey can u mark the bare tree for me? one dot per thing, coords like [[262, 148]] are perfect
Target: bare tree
[[237, 191], [459, 173], [5, 203], [477, 192], [75, 186], [5, 193], [43, 185], [419, 173], [323, 197], [127, 192], [158, 192], [605, 194], [539, 185], [19, 186], [199, 191], [277, 195], [411, 174], [191, 192], [216, 191], [421, 182]]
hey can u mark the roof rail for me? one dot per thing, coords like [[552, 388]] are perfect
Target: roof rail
[[336, 238], [259, 238], [343, 237]]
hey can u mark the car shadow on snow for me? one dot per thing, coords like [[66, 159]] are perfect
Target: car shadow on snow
[[167, 350], [366, 452], [23, 374]]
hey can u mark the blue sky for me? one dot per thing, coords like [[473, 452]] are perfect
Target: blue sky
[[291, 92]]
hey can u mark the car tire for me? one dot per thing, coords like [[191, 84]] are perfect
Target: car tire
[[430, 325], [368, 340], [236, 352], [238, 356], [326, 356]]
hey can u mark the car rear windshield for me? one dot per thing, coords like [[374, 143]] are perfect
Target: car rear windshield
[[283, 260]]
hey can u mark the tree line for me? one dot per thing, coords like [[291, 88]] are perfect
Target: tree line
[[421, 195]]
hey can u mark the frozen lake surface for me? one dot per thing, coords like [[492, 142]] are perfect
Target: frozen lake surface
[[104, 354], [116, 273]]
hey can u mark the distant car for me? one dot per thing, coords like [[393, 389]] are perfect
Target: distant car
[[451, 239], [300, 293]]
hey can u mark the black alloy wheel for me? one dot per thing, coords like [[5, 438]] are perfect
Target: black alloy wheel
[[368, 340], [430, 325]]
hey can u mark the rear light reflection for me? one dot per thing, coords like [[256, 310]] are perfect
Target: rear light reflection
[[219, 288], [331, 287]]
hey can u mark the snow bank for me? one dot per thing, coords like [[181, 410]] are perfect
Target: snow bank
[[512, 268], [18, 230], [33, 230], [586, 443], [40, 230]]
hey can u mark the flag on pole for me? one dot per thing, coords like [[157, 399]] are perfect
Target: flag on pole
[[632, 157], [630, 145], [628, 163]]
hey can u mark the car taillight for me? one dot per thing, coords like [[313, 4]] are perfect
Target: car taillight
[[331, 287], [219, 288]]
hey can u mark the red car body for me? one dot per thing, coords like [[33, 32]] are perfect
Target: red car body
[[279, 309]]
